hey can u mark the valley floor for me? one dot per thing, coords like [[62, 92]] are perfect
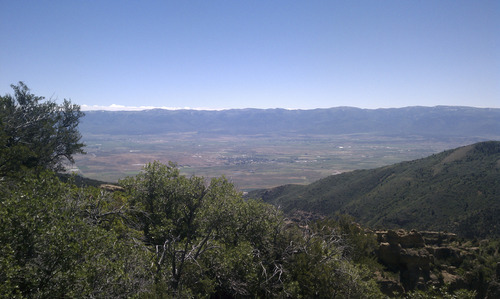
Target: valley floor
[[252, 162]]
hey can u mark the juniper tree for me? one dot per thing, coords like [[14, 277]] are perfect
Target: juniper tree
[[35, 133]]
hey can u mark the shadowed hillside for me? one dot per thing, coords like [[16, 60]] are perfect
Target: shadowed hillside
[[456, 190]]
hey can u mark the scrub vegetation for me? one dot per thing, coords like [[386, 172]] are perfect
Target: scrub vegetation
[[160, 233]]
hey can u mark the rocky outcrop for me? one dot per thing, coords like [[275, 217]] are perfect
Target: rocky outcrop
[[437, 238], [422, 259], [412, 239], [111, 188], [405, 252]]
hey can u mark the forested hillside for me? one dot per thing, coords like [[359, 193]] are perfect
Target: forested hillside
[[456, 190]]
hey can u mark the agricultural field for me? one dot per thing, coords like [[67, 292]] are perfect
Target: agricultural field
[[252, 161]]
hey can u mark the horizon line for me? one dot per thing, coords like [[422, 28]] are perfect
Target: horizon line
[[116, 107]]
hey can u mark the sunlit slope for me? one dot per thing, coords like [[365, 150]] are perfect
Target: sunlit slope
[[456, 190]]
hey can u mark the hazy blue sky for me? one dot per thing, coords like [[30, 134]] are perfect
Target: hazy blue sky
[[261, 54]]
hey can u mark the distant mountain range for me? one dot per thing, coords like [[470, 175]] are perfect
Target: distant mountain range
[[480, 123], [456, 191]]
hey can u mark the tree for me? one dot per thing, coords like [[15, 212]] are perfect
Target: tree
[[58, 241], [207, 240], [35, 133], [181, 219]]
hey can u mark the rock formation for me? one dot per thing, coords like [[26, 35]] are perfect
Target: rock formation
[[422, 259]]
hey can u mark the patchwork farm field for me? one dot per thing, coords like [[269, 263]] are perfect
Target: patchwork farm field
[[256, 161]]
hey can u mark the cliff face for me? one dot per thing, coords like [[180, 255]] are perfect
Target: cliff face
[[433, 259]]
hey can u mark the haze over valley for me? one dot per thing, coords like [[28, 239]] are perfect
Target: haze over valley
[[261, 148]]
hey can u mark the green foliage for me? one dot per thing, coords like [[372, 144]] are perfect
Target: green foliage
[[165, 235], [36, 133], [456, 190], [183, 220], [168, 235], [480, 224], [207, 240], [360, 245], [202, 236], [479, 269], [54, 243], [321, 267], [441, 293]]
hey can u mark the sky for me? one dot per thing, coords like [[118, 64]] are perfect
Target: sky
[[253, 54]]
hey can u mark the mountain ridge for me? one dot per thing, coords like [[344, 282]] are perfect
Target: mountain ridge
[[429, 121], [455, 190]]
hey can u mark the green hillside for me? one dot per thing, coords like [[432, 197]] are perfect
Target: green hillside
[[456, 190]]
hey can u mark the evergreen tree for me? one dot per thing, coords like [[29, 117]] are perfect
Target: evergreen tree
[[35, 133]]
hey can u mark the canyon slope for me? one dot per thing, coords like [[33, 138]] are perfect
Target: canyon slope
[[456, 191]]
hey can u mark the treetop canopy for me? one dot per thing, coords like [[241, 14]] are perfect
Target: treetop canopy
[[35, 132]]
